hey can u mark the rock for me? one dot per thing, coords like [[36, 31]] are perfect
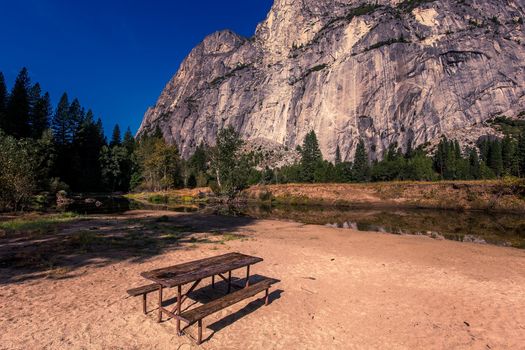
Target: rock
[[398, 71]]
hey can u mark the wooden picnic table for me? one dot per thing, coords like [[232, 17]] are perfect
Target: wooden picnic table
[[196, 271]]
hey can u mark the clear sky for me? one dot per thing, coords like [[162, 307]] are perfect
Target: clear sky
[[115, 56]]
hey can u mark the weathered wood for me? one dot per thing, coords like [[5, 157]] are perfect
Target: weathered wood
[[229, 281], [159, 318], [143, 290], [191, 271], [195, 284], [247, 284], [199, 335], [144, 303], [198, 313], [179, 304]]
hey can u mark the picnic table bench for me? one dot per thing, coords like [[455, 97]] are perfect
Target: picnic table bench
[[194, 272]]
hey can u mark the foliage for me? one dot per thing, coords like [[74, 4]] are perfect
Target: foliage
[[361, 167], [311, 157], [17, 173], [158, 164], [230, 166]]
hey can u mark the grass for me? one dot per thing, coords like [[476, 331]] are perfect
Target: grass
[[37, 224]]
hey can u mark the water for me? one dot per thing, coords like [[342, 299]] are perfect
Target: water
[[468, 226]]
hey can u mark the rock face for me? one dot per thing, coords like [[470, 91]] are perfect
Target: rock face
[[385, 71]]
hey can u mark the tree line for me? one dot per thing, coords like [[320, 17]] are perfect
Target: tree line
[[47, 150]]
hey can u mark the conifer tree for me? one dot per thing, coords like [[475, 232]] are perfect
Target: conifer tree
[[337, 155], [520, 155], [75, 119], [474, 164], [361, 167], [115, 137], [311, 156], [40, 115], [60, 123], [495, 159], [128, 141], [18, 108]]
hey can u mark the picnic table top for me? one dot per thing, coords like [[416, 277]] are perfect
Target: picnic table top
[[180, 274]]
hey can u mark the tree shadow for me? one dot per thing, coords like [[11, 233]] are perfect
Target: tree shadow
[[102, 240]]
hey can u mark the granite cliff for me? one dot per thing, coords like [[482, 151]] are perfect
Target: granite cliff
[[386, 71]]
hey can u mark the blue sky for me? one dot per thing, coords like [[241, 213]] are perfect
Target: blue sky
[[115, 56]]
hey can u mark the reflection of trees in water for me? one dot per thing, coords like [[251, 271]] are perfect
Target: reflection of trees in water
[[493, 228]]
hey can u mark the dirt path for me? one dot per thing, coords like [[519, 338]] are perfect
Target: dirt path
[[339, 289]]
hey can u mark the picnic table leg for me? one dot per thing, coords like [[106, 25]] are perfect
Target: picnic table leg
[[159, 319], [266, 297], [229, 281], [199, 336], [144, 303], [178, 308], [247, 276], [213, 281]]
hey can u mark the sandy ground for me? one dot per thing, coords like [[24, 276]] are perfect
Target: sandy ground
[[339, 289]]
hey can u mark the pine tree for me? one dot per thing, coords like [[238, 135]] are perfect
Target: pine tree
[[76, 117], [40, 115], [86, 154], [128, 140], [337, 155], [18, 108], [3, 102], [60, 123], [520, 155], [311, 156], [495, 159], [508, 155], [361, 167], [115, 137], [474, 165]]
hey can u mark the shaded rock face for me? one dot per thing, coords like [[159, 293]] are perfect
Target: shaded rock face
[[395, 71]]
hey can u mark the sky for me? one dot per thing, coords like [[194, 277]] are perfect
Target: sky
[[114, 56]]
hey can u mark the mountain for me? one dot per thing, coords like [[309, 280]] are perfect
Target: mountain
[[386, 71]]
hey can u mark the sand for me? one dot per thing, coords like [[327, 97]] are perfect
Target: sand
[[339, 289]]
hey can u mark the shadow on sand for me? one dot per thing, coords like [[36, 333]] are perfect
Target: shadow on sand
[[102, 240]]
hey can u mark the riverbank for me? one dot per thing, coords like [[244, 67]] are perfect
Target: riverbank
[[490, 195], [339, 288], [487, 195]]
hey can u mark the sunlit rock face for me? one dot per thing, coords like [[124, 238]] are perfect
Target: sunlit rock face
[[405, 72]]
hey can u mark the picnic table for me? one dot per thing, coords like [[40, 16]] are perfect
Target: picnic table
[[194, 272]]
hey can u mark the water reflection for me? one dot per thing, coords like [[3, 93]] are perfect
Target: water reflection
[[481, 227]]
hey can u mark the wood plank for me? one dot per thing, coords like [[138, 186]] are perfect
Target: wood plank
[[194, 270], [143, 290], [198, 313]]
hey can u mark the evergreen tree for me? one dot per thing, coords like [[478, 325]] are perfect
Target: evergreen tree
[[337, 155], [60, 123], [520, 155], [40, 115], [18, 107], [508, 155], [76, 117], [86, 155], [129, 141], [361, 167], [495, 159], [311, 156], [115, 137], [474, 165], [3, 102]]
